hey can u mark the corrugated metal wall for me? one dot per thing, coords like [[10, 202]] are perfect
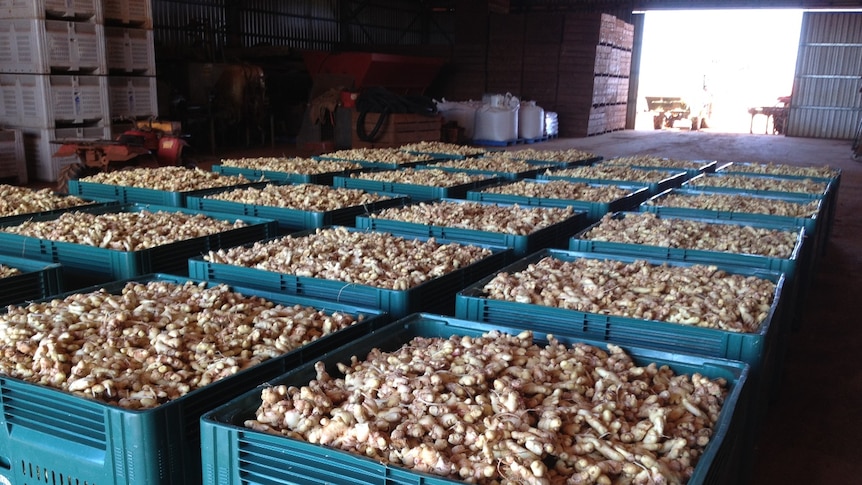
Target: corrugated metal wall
[[826, 102], [190, 28], [300, 25], [184, 27]]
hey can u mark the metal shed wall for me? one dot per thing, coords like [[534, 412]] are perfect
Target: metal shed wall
[[826, 101], [202, 28]]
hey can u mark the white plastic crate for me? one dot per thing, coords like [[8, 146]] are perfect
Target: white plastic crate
[[132, 97], [12, 161], [42, 9], [43, 46], [130, 50], [136, 13], [46, 101], [40, 144]]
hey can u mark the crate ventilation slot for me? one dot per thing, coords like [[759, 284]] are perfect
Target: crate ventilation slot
[[71, 419], [262, 462], [51, 477]]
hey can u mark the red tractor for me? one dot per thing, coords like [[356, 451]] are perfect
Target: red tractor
[[146, 143]]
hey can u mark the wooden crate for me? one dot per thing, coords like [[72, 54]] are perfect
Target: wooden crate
[[399, 129]]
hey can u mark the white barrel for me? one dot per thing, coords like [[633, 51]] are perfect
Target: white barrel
[[531, 121]]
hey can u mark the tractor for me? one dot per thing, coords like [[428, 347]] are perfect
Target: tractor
[[146, 143], [676, 112]]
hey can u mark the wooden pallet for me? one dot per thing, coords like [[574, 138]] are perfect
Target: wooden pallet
[[398, 129]]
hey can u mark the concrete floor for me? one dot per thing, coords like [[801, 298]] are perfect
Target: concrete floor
[[811, 433]]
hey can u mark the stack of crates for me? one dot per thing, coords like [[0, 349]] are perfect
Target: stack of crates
[[60, 66], [131, 62], [52, 83]]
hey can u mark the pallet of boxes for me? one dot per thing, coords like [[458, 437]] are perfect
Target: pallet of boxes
[[59, 75], [385, 120]]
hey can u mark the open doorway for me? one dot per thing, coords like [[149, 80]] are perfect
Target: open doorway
[[708, 68]]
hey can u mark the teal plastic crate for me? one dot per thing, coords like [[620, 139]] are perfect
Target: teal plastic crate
[[283, 177], [739, 168], [471, 304], [786, 265], [138, 195], [814, 225], [36, 280], [556, 235], [234, 454], [84, 264], [696, 183], [539, 167], [415, 192], [51, 436], [654, 205], [674, 179], [762, 350], [594, 210], [830, 196], [21, 218], [375, 165], [443, 156], [437, 295], [295, 219], [705, 166], [793, 267], [815, 233], [575, 163]]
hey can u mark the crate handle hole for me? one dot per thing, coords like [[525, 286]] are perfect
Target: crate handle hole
[[5, 463]]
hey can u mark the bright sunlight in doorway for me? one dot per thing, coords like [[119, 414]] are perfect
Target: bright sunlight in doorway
[[717, 65]]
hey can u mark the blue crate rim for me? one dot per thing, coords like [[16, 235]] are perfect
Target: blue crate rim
[[635, 190], [728, 168], [778, 277], [277, 176], [495, 250], [831, 184], [576, 214], [200, 201], [26, 265], [800, 231]]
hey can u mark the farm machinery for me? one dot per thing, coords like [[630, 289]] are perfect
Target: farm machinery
[[669, 112], [146, 142]]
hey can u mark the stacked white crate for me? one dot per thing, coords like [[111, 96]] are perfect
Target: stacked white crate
[[42, 9], [71, 68], [52, 77], [12, 162], [130, 59]]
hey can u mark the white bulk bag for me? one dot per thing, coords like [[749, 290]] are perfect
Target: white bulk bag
[[461, 112], [498, 119]]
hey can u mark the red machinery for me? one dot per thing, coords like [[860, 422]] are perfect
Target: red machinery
[[148, 141]]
